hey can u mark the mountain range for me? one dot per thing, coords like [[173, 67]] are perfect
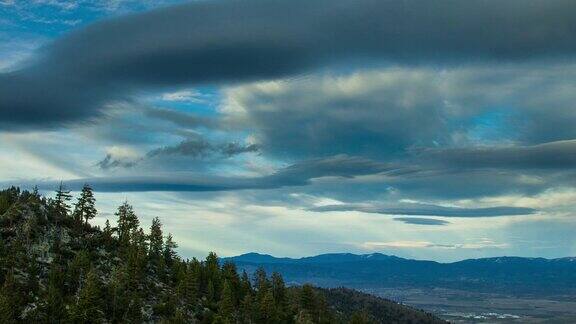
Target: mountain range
[[507, 275]]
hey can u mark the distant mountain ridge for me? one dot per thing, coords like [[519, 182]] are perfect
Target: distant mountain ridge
[[511, 275], [351, 257], [322, 258]]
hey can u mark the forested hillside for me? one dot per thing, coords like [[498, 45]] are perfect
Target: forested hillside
[[55, 267]]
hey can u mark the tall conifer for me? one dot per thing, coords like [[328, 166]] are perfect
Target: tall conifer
[[62, 201], [85, 207]]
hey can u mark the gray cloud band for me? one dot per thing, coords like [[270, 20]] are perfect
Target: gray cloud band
[[553, 155], [422, 221], [299, 174], [429, 210], [208, 42]]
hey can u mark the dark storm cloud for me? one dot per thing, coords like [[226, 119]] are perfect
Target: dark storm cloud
[[416, 209], [299, 174], [421, 221], [555, 155], [227, 41]]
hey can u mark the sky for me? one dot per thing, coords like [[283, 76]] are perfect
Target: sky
[[440, 130]]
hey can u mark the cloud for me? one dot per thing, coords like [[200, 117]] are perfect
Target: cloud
[[397, 244], [15, 50], [200, 148], [185, 96], [208, 42], [482, 244], [471, 131], [384, 113], [553, 155], [337, 166], [299, 174], [231, 149], [417, 209], [183, 119], [109, 162], [421, 221], [193, 147], [373, 113]]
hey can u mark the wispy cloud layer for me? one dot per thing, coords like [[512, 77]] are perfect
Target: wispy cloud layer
[[483, 244]]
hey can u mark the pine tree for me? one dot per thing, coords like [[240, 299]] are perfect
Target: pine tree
[[360, 318], [128, 224], [125, 296], [78, 269], [107, 237], [179, 317], [279, 292], [170, 250], [261, 284], [188, 284], [85, 208], [137, 257], [260, 279], [88, 307], [7, 311], [10, 299], [61, 202], [212, 270], [36, 192], [267, 308], [322, 312], [230, 274], [226, 306], [247, 309], [303, 317], [156, 244], [117, 301], [133, 312], [307, 299], [278, 289], [54, 308], [141, 242], [210, 292], [107, 231], [3, 259], [245, 285]]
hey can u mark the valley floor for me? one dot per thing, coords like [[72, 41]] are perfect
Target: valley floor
[[468, 307]]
